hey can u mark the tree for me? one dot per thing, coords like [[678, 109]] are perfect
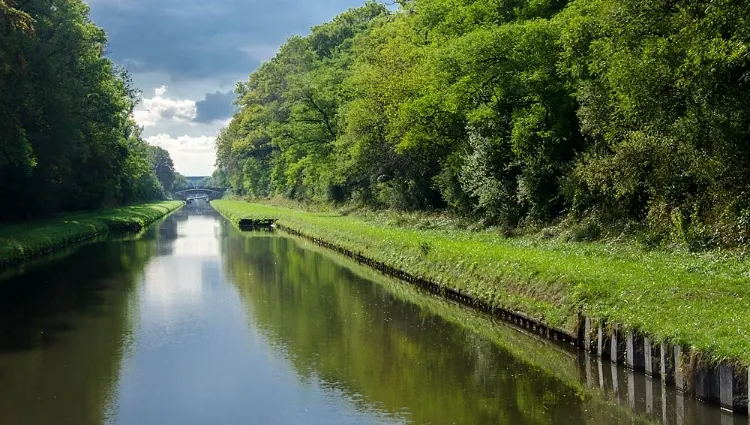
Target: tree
[[163, 167], [517, 113], [180, 183], [281, 141], [663, 91], [69, 142]]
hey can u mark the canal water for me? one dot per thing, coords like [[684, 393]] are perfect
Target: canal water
[[194, 322]]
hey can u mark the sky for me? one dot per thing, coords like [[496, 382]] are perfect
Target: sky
[[186, 57]]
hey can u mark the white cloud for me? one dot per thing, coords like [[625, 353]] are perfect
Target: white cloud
[[203, 50], [192, 155], [162, 108], [190, 143]]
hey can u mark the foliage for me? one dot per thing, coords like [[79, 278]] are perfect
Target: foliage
[[68, 139], [283, 141], [663, 92], [180, 183], [518, 113], [163, 168], [217, 179]]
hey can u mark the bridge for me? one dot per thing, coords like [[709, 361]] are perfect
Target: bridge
[[209, 192]]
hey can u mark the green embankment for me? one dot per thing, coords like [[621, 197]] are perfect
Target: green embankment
[[697, 300], [23, 241]]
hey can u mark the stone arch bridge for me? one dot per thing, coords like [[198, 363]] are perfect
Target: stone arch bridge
[[210, 192]]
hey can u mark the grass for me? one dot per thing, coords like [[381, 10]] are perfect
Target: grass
[[23, 241], [694, 299]]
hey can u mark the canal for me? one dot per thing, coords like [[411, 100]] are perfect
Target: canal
[[194, 322]]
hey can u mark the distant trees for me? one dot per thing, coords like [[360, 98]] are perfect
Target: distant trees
[[515, 112], [163, 168], [67, 137], [216, 180], [180, 183]]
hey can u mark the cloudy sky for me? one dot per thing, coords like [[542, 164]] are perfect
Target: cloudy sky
[[186, 56]]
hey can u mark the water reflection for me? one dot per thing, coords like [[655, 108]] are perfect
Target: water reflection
[[63, 332], [390, 354], [194, 322], [650, 397]]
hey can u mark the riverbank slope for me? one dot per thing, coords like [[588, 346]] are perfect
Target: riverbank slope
[[23, 241], [694, 300]]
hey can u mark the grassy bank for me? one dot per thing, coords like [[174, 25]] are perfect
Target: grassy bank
[[22, 241], [697, 300], [539, 358]]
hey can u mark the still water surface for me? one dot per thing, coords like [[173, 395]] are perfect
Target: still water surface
[[194, 322]]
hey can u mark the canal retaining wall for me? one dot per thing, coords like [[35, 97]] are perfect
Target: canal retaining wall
[[726, 383]]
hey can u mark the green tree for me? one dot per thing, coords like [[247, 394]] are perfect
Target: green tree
[[68, 140], [281, 141], [180, 183], [163, 167], [518, 113], [663, 91]]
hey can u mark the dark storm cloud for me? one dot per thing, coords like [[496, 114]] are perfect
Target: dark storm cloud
[[199, 38], [215, 106]]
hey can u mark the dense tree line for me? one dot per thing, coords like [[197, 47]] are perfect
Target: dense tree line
[[518, 112], [67, 137]]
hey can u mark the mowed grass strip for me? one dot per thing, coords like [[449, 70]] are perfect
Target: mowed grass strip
[[697, 300], [23, 241]]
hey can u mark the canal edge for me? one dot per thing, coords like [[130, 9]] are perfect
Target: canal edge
[[726, 384], [127, 227]]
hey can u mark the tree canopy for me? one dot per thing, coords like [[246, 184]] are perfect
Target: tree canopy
[[68, 140], [516, 112]]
